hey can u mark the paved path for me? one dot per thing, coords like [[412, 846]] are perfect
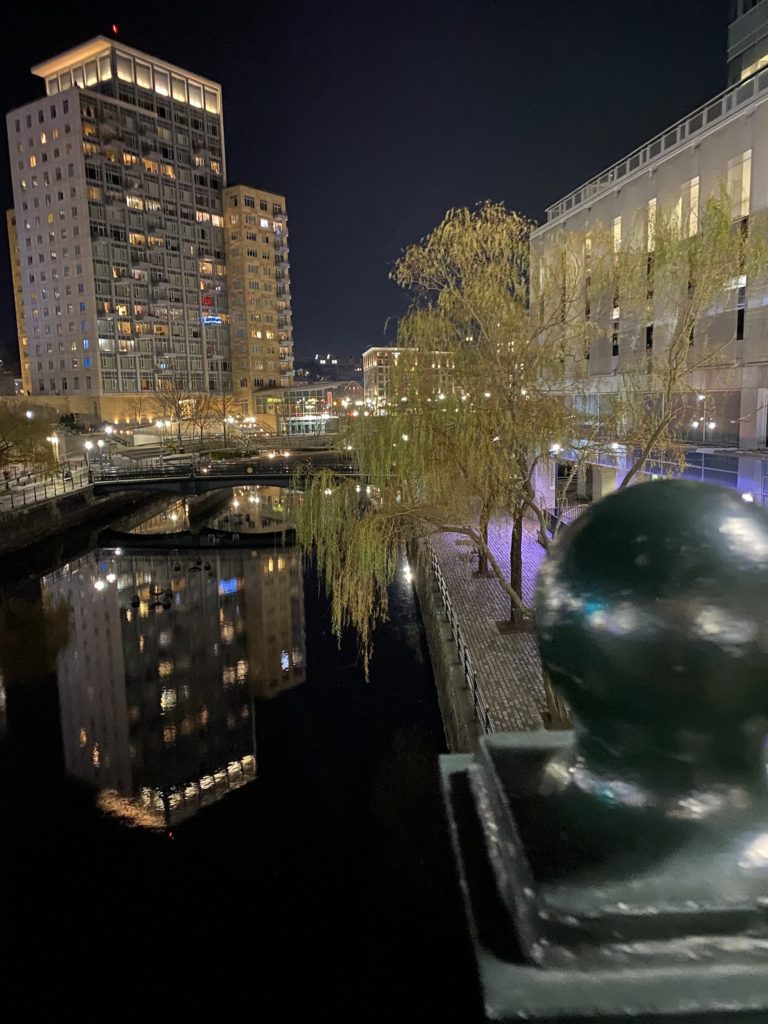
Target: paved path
[[26, 495], [507, 665]]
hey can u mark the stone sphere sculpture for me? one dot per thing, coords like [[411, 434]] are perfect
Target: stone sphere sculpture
[[652, 611]]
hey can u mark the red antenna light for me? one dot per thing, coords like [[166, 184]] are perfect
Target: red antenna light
[[114, 30]]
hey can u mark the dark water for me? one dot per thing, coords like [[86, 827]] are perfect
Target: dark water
[[198, 788]]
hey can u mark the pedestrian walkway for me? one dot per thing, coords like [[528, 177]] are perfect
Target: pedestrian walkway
[[507, 665], [22, 495]]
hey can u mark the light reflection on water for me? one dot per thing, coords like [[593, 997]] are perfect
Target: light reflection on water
[[165, 657]]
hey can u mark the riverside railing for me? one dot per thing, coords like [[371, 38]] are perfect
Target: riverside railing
[[677, 136], [479, 702], [22, 495]]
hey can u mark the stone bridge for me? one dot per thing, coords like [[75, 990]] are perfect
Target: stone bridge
[[277, 471]]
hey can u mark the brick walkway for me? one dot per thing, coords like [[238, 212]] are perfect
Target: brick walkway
[[508, 667]]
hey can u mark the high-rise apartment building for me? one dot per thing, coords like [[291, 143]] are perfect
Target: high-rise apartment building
[[18, 301], [722, 144], [118, 179], [259, 292]]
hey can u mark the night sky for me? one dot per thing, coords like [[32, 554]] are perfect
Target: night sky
[[375, 117]]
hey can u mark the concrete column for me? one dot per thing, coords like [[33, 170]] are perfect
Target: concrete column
[[603, 481], [753, 419], [750, 480]]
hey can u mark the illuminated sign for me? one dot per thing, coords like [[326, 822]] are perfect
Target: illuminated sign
[[211, 320], [228, 586]]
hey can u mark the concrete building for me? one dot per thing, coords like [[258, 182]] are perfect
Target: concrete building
[[435, 373], [724, 143], [118, 176], [18, 302], [376, 363], [259, 292], [327, 366], [307, 408]]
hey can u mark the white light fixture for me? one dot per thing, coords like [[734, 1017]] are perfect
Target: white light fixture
[[99, 585], [711, 425], [556, 448], [747, 497], [111, 577]]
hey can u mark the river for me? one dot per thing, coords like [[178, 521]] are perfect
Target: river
[[197, 783]]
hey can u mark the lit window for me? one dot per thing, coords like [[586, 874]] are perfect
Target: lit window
[[739, 183]]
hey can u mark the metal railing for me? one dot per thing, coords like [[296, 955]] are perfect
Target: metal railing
[[718, 109], [479, 703], [15, 495], [562, 516]]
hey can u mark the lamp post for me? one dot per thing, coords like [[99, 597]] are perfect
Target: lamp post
[[100, 445], [53, 441], [88, 449]]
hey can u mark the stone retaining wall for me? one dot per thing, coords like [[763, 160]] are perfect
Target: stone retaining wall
[[461, 727], [23, 527]]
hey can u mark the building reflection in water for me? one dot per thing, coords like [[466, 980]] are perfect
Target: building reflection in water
[[165, 657], [256, 510]]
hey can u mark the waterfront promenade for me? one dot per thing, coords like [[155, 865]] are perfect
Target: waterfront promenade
[[506, 665]]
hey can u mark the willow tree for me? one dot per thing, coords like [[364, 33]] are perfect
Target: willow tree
[[474, 401]]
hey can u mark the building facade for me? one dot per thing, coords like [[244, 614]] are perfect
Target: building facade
[[308, 408], [259, 292], [376, 363], [722, 144], [118, 176], [18, 302]]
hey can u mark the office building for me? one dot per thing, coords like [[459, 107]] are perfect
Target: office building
[[118, 176], [723, 143], [18, 302], [259, 292]]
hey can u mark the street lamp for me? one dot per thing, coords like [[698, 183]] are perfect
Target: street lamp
[[705, 426], [29, 414], [88, 449], [100, 445]]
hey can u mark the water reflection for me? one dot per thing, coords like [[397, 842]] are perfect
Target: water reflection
[[255, 510], [172, 519], [164, 659]]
